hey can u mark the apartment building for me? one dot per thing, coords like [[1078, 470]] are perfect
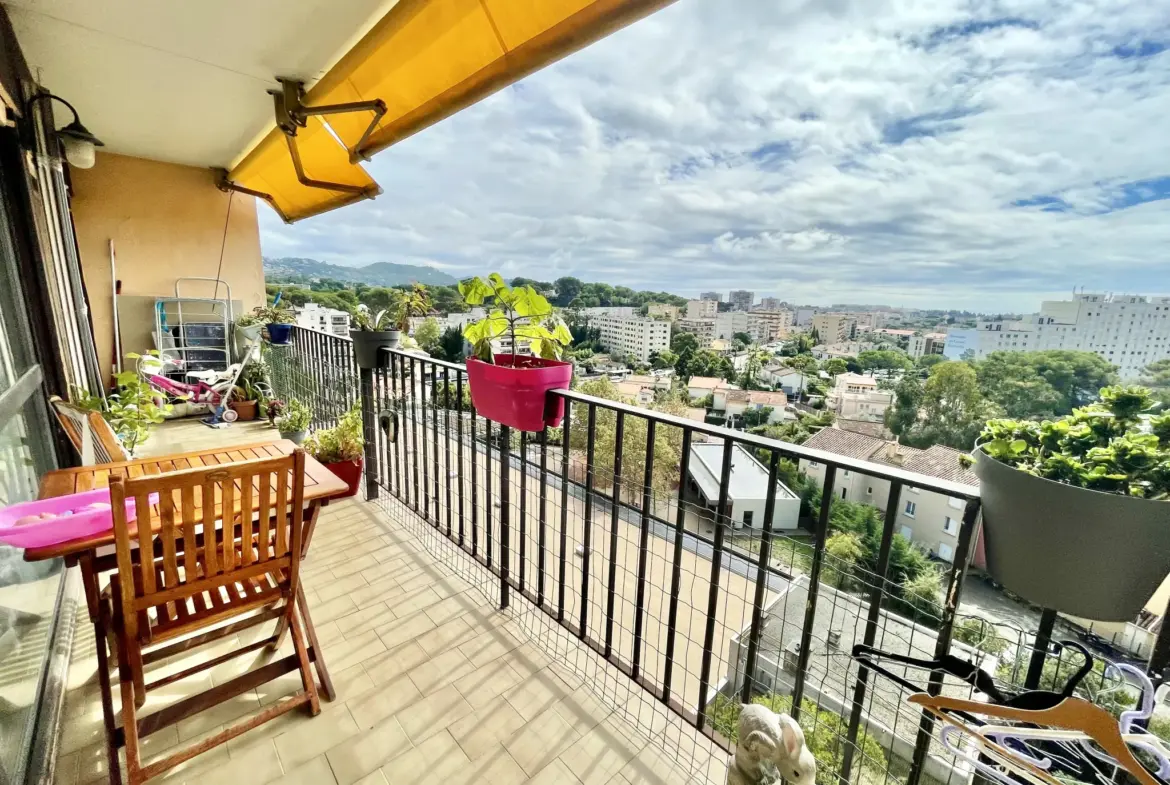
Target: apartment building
[[313, 316], [804, 316], [772, 324], [609, 310], [702, 309], [741, 299], [930, 343], [699, 387], [663, 311], [633, 336], [770, 304], [703, 329], [857, 397], [834, 327], [716, 296], [929, 519], [1130, 331]]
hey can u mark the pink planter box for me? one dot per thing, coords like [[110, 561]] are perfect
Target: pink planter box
[[517, 397]]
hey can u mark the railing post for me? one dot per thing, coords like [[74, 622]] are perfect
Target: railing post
[[952, 593], [1040, 649], [814, 588], [505, 510], [370, 432]]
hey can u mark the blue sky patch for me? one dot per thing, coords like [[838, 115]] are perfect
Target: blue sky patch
[[1046, 202], [1139, 49], [930, 124]]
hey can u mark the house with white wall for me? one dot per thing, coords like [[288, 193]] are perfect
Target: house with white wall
[[857, 396], [747, 490], [929, 519]]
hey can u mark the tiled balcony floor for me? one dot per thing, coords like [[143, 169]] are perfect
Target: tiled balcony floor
[[434, 683]]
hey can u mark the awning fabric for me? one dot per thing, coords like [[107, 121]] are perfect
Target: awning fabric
[[426, 59]]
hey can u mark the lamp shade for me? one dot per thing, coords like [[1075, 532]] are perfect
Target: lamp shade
[[79, 145]]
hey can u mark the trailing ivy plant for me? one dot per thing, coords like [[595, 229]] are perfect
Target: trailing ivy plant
[[520, 311], [1117, 445]]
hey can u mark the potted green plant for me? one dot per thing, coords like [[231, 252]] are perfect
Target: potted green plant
[[340, 448], [373, 332], [278, 321], [512, 388], [132, 410], [294, 423], [1076, 511], [249, 327], [273, 408], [245, 400]]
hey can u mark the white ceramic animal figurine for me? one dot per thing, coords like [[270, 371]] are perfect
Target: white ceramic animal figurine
[[768, 739]]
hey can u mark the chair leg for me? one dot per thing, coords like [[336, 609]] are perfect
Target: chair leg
[[282, 624], [130, 727], [137, 668], [307, 680], [103, 665], [318, 656]]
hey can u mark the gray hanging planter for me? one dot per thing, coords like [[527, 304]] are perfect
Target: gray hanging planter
[[368, 345], [1090, 554]]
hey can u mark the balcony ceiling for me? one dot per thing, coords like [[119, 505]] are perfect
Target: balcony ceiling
[[183, 82]]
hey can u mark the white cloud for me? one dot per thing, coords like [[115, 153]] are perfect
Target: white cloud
[[967, 154]]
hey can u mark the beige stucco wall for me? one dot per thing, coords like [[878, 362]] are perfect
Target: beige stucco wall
[[166, 221]]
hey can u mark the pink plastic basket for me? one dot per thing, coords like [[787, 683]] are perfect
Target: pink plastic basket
[[64, 527]]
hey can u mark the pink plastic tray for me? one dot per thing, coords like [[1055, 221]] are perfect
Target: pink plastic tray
[[64, 527]]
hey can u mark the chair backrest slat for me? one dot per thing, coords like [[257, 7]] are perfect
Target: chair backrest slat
[[265, 492], [88, 431], [227, 550]]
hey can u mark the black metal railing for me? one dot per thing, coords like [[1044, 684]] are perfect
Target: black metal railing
[[602, 529], [319, 370]]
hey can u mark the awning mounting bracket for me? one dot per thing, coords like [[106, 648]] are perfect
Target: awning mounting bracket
[[292, 114]]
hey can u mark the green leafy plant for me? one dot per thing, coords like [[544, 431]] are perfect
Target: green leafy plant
[[271, 314], [296, 417], [131, 410], [344, 442], [273, 408], [1108, 446], [520, 311], [396, 316]]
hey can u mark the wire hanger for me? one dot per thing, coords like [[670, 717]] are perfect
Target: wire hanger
[[1072, 713]]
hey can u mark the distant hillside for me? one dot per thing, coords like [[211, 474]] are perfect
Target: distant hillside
[[377, 274]]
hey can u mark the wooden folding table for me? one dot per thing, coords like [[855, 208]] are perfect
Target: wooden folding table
[[95, 554]]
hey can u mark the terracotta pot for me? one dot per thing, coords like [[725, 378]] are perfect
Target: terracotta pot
[[350, 472], [246, 409], [518, 396]]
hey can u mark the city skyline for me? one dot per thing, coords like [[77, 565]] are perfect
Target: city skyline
[[961, 156]]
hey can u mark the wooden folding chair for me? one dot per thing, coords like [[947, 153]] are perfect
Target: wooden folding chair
[[92, 437], [187, 574]]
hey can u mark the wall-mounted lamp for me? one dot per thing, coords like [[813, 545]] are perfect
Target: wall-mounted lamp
[[78, 142]]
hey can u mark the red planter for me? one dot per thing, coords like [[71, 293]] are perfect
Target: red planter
[[349, 472], [517, 396]]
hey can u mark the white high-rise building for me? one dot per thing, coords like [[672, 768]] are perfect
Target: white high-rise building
[[633, 336], [770, 304], [313, 316], [1127, 330]]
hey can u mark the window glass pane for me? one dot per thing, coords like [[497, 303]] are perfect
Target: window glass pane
[[28, 598]]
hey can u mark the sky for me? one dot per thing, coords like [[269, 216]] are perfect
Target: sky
[[938, 153]]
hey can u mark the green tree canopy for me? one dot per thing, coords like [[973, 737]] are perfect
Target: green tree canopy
[[836, 366], [427, 334], [1043, 384], [883, 359], [953, 409]]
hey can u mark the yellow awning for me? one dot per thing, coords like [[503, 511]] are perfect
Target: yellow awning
[[426, 59], [269, 170]]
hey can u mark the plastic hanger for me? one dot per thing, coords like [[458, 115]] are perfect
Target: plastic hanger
[[961, 669], [1135, 736], [1072, 713]]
